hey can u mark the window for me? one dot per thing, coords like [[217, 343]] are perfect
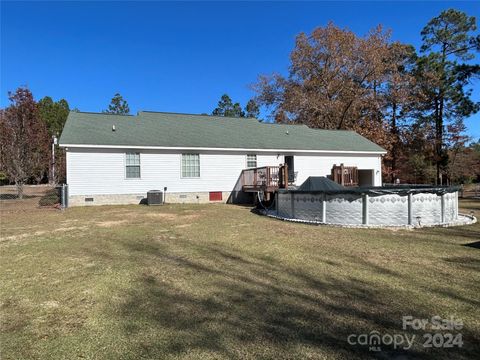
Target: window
[[132, 164], [251, 161], [190, 165]]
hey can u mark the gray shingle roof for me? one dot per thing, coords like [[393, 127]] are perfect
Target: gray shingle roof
[[204, 131]]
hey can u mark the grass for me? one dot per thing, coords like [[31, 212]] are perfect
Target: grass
[[217, 281]]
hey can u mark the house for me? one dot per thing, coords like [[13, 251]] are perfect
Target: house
[[116, 159]]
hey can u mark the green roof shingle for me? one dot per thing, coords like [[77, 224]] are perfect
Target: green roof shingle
[[156, 129]]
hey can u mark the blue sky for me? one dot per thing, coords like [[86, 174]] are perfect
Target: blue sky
[[177, 56]]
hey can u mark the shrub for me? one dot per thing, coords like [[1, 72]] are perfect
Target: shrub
[[50, 198]]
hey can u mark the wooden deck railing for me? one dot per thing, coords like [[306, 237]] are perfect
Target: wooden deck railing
[[345, 175], [266, 178]]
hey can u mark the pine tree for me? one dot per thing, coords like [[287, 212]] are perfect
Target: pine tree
[[252, 109], [118, 106], [447, 39], [226, 107]]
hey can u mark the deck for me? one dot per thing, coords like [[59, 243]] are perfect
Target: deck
[[345, 175], [267, 179]]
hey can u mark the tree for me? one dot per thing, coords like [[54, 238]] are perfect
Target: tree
[[400, 99], [382, 90], [25, 140], [118, 106], [464, 166], [252, 110], [333, 82], [54, 114], [226, 107], [447, 39], [338, 80]]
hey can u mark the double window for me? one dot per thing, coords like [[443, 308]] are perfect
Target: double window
[[132, 165], [190, 165], [251, 161]]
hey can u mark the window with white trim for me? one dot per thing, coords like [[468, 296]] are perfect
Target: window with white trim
[[251, 161], [190, 165], [132, 165]]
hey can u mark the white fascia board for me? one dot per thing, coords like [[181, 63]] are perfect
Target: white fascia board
[[219, 149]]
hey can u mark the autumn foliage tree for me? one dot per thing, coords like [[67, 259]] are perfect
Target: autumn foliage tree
[[25, 140], [383, 90], [333, 80], [338, 80]]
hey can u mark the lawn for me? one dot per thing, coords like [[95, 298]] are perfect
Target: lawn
[[217, 281]]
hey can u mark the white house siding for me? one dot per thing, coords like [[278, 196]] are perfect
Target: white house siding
[[321, 165], [100, 173]]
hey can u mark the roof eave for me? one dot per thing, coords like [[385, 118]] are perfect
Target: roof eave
[[92, 146]]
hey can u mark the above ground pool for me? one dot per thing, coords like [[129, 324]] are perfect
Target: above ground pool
[[319, 200]]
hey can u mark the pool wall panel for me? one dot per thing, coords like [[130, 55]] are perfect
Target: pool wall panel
[[385, 209]]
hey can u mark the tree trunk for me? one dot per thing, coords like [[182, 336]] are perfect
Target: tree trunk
[[19, 186], [439, 117], [395, 139], [437, 140]]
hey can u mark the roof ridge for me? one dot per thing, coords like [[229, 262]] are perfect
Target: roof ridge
[[98, 113], [204, 115]]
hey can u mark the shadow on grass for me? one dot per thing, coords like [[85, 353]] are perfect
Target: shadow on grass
[[467, 231], [466, 262], [230, 303], [475, 245]]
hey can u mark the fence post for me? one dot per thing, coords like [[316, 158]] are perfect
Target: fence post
[[410, 212], [443, 207], [324, 208], [292, 205], [342, 175], [276, 202], [63, 197], [455, 199], [365, 209]]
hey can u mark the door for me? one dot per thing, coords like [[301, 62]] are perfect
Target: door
[[366, 177], [291, 168]]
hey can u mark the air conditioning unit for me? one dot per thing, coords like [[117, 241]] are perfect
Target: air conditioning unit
[[155, 197]]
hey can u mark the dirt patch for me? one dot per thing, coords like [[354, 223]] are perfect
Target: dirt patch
[[166, 216], [108, 224], [183, 226], [21, 236], [196, 211], [40, 233], [50, 304], [173, 217], [239, 225], [70, 228]]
